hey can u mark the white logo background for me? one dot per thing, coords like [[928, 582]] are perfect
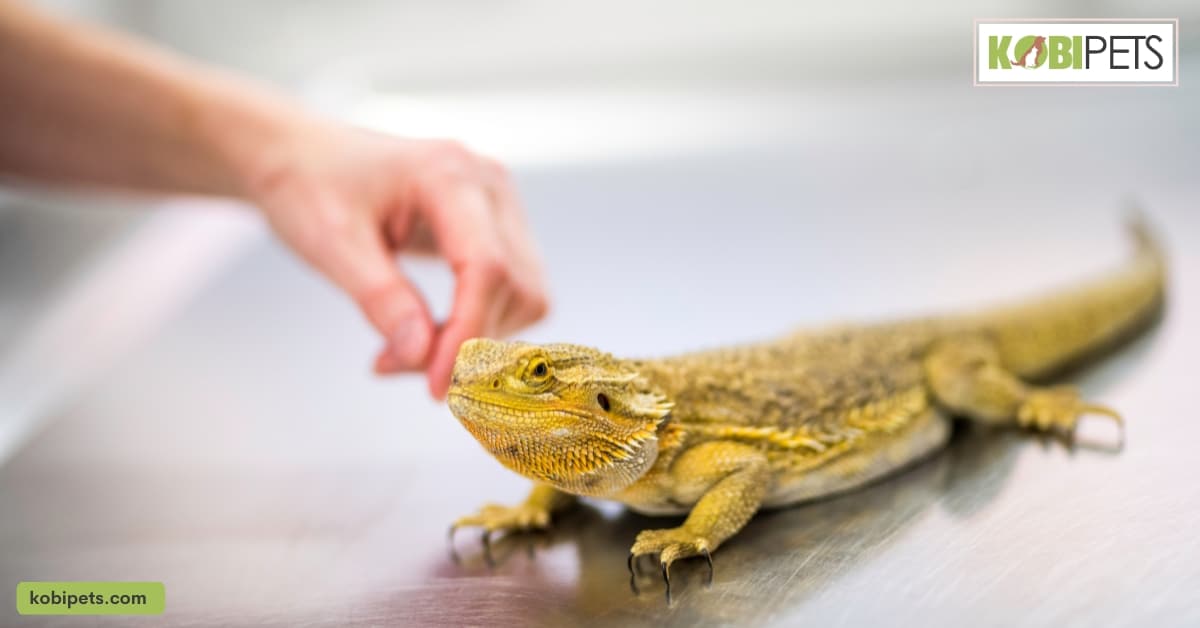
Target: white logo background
[[1100, 71]]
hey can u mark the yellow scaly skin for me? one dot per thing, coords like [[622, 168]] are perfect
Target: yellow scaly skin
[[722, 433]]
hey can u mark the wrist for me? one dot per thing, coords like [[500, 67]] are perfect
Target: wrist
[[251, 134]]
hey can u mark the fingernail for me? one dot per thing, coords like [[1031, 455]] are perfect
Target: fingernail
[[437, 388], [438, 381], [409, 344]]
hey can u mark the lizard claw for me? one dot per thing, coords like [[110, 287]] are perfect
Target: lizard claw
[[666, 570], [670, 545], [632, 574], [708, 557], [450, 541], [1060, 409], [486, 540]]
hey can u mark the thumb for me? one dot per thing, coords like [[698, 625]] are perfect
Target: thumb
[[399, 313], [395, 308]]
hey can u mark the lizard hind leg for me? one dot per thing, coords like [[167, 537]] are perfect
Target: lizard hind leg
[[966, 377]]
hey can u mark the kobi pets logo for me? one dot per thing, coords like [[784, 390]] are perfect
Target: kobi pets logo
[[1077, 52]]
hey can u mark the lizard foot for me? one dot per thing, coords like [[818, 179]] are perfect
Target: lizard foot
[[504, 519], [1059, 410], [669, 544]]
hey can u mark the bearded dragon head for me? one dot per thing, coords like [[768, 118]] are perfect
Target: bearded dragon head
[[566, 415]]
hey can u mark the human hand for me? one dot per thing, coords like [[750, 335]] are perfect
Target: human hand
[[348, 200], [104, 110]]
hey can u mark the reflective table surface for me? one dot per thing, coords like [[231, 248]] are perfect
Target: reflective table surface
[[241, 454]]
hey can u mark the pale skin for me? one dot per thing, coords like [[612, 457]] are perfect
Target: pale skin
[[83, 107]]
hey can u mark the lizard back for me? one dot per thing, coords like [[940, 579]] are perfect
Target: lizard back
[[825, 404]]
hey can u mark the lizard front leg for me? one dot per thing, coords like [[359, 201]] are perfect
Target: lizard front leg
[[534, 513], [730, 480], [966, 376]]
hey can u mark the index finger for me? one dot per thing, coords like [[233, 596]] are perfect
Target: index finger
[[464, 226], [479, 302]]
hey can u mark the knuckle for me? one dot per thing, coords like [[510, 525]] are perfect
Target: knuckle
[[325, 229], [491, 269], [445, 162], [448, 153], [495, 168]]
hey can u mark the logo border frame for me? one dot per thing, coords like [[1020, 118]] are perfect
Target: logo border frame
[[1174, 21]]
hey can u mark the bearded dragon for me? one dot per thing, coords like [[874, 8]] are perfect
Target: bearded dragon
[[719, 434]]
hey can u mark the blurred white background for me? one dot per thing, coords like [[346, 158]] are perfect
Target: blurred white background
[[478, 43], [673, 76], [839, 99]]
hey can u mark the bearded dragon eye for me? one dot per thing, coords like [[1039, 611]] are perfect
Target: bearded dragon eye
[[540, 370]]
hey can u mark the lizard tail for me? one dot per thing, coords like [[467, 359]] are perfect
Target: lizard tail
[[1046, 336]]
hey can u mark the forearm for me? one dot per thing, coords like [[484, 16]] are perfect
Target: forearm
[[80, 105]]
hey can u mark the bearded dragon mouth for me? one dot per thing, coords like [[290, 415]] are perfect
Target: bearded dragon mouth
[[480, 416], [585, 463], [464, 403]]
